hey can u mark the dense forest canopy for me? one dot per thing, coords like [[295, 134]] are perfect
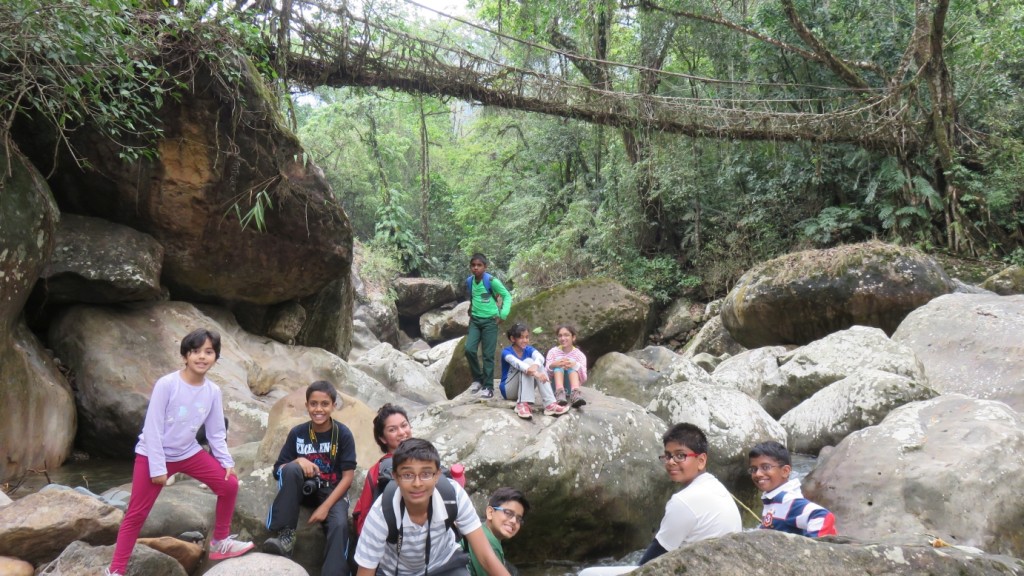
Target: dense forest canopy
[[678, 141]]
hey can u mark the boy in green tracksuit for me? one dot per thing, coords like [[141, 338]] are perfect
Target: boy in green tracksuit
[[482, 289]]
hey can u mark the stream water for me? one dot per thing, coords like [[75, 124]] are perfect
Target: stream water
[[99, 475]]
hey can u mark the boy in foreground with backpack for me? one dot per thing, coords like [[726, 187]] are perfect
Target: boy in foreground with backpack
[[411, 529], [482, 289], [785, 507], [506, 512]]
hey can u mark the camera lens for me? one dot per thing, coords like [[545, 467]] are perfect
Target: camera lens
[[310, 486]]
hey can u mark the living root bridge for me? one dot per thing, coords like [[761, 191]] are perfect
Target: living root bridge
[[864, 126], [363, 52]]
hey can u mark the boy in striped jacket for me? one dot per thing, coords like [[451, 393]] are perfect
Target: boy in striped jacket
[[785, 507]]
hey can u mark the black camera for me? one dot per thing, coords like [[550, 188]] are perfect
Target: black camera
[[311, 485]]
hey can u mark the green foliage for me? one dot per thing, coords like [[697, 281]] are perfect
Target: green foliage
[[71, 63], [379, 265], [660, 278], [1015, 258], [393, 229]]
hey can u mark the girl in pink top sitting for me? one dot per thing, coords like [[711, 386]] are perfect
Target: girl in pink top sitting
[[567, 364]]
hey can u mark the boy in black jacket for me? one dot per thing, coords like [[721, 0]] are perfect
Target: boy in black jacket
[[315, 468]]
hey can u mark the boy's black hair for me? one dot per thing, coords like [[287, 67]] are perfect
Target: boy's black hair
[[506, 494], [773, 450], [196, 338], [688, 435], [415, 449], [322, 386], [516, 329], [480, 257], [383, 413]]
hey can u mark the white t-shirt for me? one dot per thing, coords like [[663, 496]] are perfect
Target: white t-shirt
[[702, 510], [373, 549]]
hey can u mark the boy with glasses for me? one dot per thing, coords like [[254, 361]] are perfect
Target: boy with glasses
[[704, 508], [785, 507], [506, 511], [424, 541]]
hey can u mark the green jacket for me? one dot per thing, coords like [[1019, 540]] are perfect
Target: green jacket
[[482, 304], [474, 565]]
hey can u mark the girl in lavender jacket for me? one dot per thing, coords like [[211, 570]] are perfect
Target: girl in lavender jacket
[[181, 402]]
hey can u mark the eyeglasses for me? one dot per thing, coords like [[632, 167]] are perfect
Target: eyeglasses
[[677, 457], [510, 514], [766, 468], [423, 476]]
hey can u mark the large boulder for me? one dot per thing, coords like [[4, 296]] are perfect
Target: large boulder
[[971, 344], [328, 322], [949, 467], [623, 376], [419, 295], [592, 475], [118, 353], [802, 297], [37, 527], [101, 262], [749, 371], [38, 425], [812, 367], [39, 422], [257, 564], [654, 357], [400, 374], [713, 339], [439, 325], [225, 155], [860, 400], [732, 421], [774, 552], [608, 317], [680, 318], [1006, 283], [81, 559]]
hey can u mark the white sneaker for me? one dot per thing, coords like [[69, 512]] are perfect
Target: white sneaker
[[474, 387], [107, 572], [228, 548]]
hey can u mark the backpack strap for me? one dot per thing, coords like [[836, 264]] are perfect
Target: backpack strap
[[486, 282], [388, 506], [448, 495]]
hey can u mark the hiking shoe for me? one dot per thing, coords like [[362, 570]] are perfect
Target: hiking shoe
[[523, 411], [576, 398], [107, 572], [474, 387], [485, 393], [555, 409], [560, 396], [228, 548], [282, 544]]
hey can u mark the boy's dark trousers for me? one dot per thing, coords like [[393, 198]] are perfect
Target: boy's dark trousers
[[284, 513], [483, 332]]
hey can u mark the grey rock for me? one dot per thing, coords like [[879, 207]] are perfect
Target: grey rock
[[257, 564], [713, 339], [1007, 282], [971, 344], [804, 296], [400, 374], [749, 371], [418, 295], [596, 463], [81, 559], [440, 325], [774, 552], [860, 400], [623, 376], [37, 527], [100, 262], [818, 364], [949, 467]]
